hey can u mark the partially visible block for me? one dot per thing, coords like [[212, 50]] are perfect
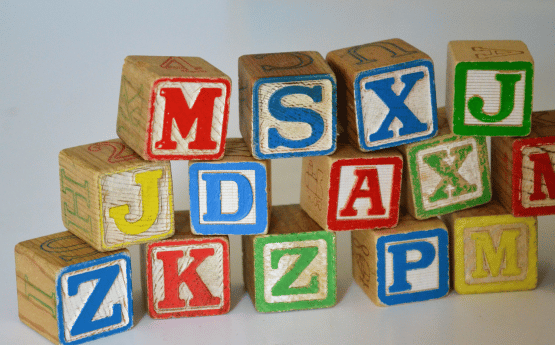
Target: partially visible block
[[489, 87], [293, 267], [186, 275], [445, 174], [70, 293], [492, 251], [111, 198], [388, 91], [173, 108], [524, 169], [409, 263], [351, 190], [232, 195], [288, 105]]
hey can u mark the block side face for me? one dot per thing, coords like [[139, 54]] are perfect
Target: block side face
[[89, 310], [188, 278], [421, 277], [188, 118], [495, 253], [353, 204], [448, 174], [137, 206], [294, 116], [79, 200], [364, 263], [315, 182], [533, 172], [295, 271], [493, 98], [395, 105], [229, 198]]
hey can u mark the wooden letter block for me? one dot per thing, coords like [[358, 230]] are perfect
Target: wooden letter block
[[111, 198], [445, 174], [492, 250], [293, 267], [489, 87], [70, 293], [351, 190], [232, 195], [288, 105], [409, 263], [388, 92], [186, 275], [173, 108], [524, 168]]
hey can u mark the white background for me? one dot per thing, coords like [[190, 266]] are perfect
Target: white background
[[60, 69]]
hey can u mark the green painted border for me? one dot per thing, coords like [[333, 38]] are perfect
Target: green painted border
[[459, 103], [421, 213], [259, 242]]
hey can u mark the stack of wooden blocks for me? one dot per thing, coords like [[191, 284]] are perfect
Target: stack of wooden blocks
[[378, 99]]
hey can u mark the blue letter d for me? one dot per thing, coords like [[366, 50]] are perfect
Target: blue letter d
[[214, 197]]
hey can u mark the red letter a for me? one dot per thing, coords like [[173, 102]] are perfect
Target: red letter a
[[172, 280], [542, 167], [177, 109], [373, 193]]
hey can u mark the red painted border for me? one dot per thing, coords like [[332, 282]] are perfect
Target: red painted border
[[518, 209], [363, 224], [217, 155], [224, 309]]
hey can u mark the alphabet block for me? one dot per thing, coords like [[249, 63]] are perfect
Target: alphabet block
[[288, 105], [351, 190], [445, 174], [492, 250], [523, 168], [293, 267], [232, 195], [409, 263], [111, 198], [186, 275], [70, 293], [173, 108], [489, 87], [389, 93]]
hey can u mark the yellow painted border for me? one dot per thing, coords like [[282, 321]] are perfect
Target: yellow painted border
[[145, 239], [528, 283]]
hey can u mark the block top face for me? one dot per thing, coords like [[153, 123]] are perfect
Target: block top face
[[490, 50], [353, 60], [105, 157], [291, 219], [106, 307], [175, 66], [303, 63]]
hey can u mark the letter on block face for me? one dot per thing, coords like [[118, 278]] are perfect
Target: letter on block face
[[524, 175], [287, 104], [493, 251], [446, 174], [232, 195], [351, 190], [173, 108], [111, 198], [390, 93], [187, 275], [293, 267], [411, 262], [70, 293], [489, 87]]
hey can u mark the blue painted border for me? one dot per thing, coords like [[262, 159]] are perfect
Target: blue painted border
[[80, 266], [358, 105], [443, 254], [255, 119], [260, 197]]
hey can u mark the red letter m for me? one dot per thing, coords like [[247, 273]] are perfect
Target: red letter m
[[177, 109]]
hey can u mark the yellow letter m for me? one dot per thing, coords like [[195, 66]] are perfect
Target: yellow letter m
[[486, 253]]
